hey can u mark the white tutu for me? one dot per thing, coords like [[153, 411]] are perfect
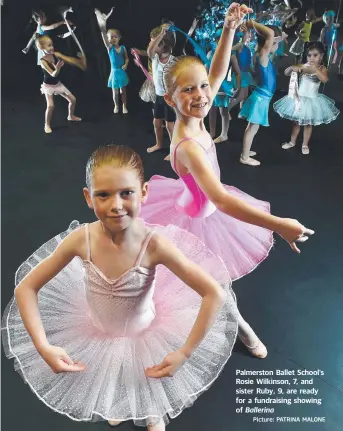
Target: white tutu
[[311, 110]]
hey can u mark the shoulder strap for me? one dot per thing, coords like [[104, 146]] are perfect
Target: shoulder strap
[[172, 159], [144, 247], [87, 242]]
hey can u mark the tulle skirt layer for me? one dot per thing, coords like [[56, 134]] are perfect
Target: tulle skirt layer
[[115, 386], [240, 245], [118, 79], [55, 90], [309, 111], [256, 108], [147, 92]]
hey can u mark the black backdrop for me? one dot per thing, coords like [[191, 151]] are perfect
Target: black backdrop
[[135, 19]]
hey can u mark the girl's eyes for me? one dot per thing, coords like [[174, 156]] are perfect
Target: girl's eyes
[[188, 89], [125, 193]]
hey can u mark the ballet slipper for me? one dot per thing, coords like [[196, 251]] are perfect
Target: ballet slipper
[[305, 149], [252, 153], [47, 129], [74, 118], [259, 350], [287, 145], [125, 111], [116, 109], [249, 161]]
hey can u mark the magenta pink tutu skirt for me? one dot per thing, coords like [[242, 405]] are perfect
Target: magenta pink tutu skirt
[[240, 245]]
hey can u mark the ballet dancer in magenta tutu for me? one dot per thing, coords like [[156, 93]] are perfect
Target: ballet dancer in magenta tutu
[[234, 225], [105, 310], [306, 106]]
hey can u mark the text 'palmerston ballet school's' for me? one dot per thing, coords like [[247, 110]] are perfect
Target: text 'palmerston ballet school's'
[[259, 391]]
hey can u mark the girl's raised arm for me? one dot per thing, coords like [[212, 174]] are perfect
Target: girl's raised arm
[[153, 45], [102, 19], [55, 25], [221, 58], [268, 35]]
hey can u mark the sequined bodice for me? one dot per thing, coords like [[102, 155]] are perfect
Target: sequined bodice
[[123, 306], [309, 85], [193, 200]]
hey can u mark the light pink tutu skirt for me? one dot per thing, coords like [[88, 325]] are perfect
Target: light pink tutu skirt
[[55, 90], [115, 386], [240, 245]]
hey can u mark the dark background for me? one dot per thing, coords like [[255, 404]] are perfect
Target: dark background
[[293, 302], [134, 18]]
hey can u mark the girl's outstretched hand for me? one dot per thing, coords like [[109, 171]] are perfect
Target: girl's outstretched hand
[[59, 361], [292, 231], [168, 367], [235, 15]]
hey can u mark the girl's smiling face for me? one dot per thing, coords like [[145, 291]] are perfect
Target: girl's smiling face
[[192, 96]]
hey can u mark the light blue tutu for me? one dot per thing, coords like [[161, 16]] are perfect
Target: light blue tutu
[[246, 78], [118, 79], [310, 110], [255, 109]]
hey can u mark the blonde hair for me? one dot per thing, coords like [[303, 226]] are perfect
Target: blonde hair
[[114, 30], [171, 72], [41, 39], [117, 156]]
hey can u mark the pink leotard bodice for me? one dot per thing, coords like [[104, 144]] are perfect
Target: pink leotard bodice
[[193, 201], [124, 306]]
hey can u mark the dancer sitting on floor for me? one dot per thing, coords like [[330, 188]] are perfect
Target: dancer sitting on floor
[[234, 225], [119, 59], [306, 107], [256, 107], [160, 52], [104, 311], [51, 63]]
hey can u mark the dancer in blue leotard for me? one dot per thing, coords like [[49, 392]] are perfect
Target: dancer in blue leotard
[[119, 59], [256, 107], [328, 35]]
